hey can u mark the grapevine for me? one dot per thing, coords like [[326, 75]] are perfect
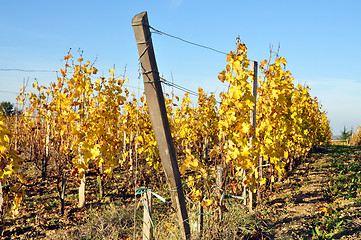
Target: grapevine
[[82, 121]]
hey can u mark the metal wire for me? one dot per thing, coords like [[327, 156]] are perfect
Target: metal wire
[[186, 41], [25, 70], [179, 87]]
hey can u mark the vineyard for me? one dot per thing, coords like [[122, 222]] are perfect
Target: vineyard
[[85, 141]]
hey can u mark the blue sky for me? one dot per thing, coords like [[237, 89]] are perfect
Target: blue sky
[[320, 40]]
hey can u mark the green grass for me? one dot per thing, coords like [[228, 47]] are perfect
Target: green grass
[[346, 177], [344, 185], [327, 225]]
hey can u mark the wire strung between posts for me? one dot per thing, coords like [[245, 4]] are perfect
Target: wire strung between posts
[[24, 70], [179, 87], [186, 41], [166, 82], [9, 92]]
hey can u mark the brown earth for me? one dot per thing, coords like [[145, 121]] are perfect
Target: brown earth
[[304, 200], [304, 206]]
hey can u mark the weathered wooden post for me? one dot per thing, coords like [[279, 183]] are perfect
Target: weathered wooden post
[[254, 69], [260, 175], [147, 216], [200, 221], [219, 182], [244, 192], [100, 180], [159, 119], [47, 147], [200, 216], [81, 203], [1, 198], [62, 195], [82, 192]]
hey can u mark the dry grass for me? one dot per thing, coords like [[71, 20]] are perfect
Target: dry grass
[[117, 222], [114, 222]]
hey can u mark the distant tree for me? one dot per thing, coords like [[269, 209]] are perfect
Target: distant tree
[[7, 108], [345, 135]]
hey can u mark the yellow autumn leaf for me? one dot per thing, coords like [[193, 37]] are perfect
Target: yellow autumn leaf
[[206, 202], [250, 104], [264, 62], [246, 127], [328, 210], [272, 179], [262, 181], [282, 60], [182, 169], [3, 149], [108, 171], [95, 152]]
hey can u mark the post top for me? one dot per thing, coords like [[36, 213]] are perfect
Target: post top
[[139, 17]]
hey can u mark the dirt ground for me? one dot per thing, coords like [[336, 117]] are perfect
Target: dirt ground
[[320, 199], [304, 201]]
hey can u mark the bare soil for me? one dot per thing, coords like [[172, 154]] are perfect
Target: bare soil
[[303, 202]]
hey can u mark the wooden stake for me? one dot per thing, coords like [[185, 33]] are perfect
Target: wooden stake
[[219, 182], [100, 182], [252, 195], [260, 175], [147, 216], [82, 192], [254, 69], [159, 119], [244, 192], [62, 195], [16, 128], [1, 199], [200, 221], [205, 150]]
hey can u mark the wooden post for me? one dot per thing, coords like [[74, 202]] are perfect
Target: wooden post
[[62, 195], [100, 182], [252, 195], [219, 182], [147, 216], [82, 182], [260, 176], [131, 141], [244, 192], [200, 221], [254, 69], [159, 119], [16, 128], [47, 146], [200, 207], [1, 199], [219, 177], [82, 192], [205, 150], [124, 146], [47, 136]]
